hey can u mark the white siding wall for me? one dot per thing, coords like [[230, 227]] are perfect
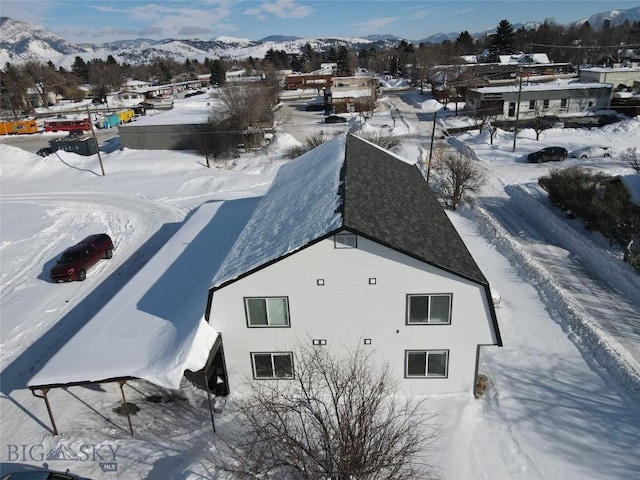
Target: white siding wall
[[573, 105], [347, 309]]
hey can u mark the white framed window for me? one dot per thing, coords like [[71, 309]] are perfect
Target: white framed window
[[429, 309], [272, 365], [426, 364], [345, 240], [267, 311]]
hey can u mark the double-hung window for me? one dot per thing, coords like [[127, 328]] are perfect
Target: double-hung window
[[426, 363], [267, 311], [429, 309], [345, 240], [272, 365]]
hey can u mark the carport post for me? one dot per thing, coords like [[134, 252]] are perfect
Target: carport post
[[124, 404], [206, 384], [46, 402]]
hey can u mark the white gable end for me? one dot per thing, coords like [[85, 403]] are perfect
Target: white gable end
[[345, 296]]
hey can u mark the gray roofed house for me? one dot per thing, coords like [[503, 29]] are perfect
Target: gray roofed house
[[350, 244]]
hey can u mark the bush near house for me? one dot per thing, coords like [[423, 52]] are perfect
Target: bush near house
[[598, 199]]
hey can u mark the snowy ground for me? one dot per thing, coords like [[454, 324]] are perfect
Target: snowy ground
[[564, 398]]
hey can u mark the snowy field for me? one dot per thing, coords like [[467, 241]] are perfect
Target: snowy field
[[564, 394]]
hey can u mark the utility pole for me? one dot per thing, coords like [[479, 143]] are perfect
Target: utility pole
[[93, 132], [433, 133], [515, 127]]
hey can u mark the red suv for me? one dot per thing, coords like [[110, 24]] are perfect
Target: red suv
[[75, 261]]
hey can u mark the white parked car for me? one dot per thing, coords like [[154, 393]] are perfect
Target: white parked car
[[591, 152]]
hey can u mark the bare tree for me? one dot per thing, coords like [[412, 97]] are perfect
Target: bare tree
[[492, 132], [249, 110], [542, 120], [457, 177], [483, 119], [13, 90], [43, 78], [339, 418], [632, 157], [366, 107]]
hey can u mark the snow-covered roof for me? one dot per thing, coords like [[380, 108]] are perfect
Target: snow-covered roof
[[153, 328], [289, 217], [349, 183], [611, 69], [192, 113], [137, 83], [518, 58], [541, 87]]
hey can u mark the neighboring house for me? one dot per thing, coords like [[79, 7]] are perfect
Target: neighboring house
[[351, 94], [308, 81], [184, 127], [136, 84], [349, 247], [544, 98], [616, 76], [125, 99], [33, 98]]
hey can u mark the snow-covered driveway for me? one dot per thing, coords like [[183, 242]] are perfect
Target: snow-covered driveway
[[581, 279]]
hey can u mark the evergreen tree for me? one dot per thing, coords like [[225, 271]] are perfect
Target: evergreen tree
[[464, 42], [218, 73], [502, 43], [342, 59], [81, 69]]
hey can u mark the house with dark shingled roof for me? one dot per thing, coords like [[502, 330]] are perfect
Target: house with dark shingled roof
[[349, 247]]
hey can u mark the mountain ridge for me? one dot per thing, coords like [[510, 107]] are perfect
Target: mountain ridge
[[22, 41]]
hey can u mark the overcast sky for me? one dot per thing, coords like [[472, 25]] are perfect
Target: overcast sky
[[95, 21]]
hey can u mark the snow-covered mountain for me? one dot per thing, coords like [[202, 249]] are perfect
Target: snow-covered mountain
[[616, 17], [22, 41]]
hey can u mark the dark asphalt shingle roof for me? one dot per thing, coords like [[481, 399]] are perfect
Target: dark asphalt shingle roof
[[388, 200]]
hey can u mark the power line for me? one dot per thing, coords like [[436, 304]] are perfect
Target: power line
[[585, 47]]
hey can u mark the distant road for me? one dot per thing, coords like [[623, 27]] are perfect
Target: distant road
[[34, 142]]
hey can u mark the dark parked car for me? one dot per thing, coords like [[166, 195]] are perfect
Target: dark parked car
[[334, 119], [75, 133], [315, 107], [40, 475], [75, 261], [193, 94], [44, 151], [548, 154]]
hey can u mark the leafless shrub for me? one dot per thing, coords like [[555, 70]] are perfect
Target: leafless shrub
[[340, 418], [310, 143], [385, 140], [457, 176], [632, 157]]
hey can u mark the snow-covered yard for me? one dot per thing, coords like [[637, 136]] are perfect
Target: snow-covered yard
[[564, 394]]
